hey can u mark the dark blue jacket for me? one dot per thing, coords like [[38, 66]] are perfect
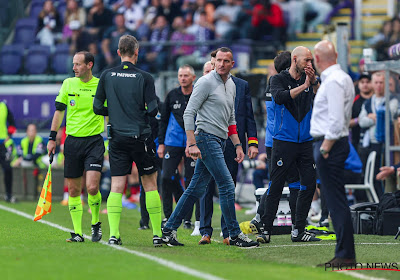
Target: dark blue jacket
[[292, 116], [245, 123], [172, 131]]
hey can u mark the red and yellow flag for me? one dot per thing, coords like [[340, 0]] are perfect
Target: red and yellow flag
[[44, 203]]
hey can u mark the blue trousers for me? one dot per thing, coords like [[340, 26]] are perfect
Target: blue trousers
[[212, 165]]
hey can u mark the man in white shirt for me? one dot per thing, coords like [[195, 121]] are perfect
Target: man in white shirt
[[330, 128]]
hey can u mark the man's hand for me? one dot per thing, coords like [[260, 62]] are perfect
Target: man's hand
[[194, 152], [372, 116], [51, 147], [252, 152], [310, 72], [161, 150], [239, 154], [385, 171]]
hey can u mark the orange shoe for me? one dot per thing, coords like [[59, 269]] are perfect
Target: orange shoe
[[205, 239], [226, 241]]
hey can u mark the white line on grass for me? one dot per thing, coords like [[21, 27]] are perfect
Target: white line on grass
[[168, 264], [360, 276]]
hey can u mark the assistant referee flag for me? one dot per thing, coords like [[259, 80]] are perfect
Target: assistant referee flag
[[44, 203]]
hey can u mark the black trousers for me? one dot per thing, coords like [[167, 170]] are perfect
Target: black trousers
[[288, 156], [171, 179], [292, 177], [7, 170], [331, 173]]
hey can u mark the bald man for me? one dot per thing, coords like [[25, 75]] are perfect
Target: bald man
[[293, 93], [207, 68], [330, 129]]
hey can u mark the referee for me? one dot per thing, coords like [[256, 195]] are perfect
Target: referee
[[84, 147], [131, 100]]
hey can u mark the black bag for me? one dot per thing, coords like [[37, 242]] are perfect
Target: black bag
[[387, 201]]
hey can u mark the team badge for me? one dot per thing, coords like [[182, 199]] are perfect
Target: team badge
[[279, 162], [72, 102], [167, 156]]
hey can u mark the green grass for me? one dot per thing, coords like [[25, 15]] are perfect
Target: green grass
[[31, 250]]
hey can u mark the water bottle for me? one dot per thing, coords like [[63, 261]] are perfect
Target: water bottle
[[281, 219], [289, 218]]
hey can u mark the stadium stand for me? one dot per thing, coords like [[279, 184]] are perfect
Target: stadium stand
[[59, 59], [11, 58], [37, 59], [25, 31]]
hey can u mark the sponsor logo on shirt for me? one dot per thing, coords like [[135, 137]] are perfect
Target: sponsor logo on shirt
[[123, 75], [95, 165]]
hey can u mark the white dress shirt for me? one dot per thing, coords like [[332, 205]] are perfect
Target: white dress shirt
[[332, 104]]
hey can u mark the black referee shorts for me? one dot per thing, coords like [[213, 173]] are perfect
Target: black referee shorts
[[124, 150], [83, 153]]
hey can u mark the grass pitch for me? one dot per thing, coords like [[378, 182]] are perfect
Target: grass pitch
[[32, 250]]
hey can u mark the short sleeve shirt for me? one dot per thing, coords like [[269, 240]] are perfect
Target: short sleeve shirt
[[78, 96]]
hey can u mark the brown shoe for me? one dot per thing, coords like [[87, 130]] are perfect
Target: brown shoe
[[226, 241], [205, 239], [338, 262]]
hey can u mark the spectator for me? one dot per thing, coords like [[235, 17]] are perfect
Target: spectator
[[72, 13], [169, 10], [148, 18], [267, 19], [321, 8], [178, 35], [49, 24], [158, 54], [31, 149], [133, 13], [80, 39], [203, 31], [225, 17], [364, 86], [372, 118], [208, 8], [109, 45], [99, 19], [395, 38]]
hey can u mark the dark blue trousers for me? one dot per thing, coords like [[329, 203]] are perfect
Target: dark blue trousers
[[331, 172], [206, 201]]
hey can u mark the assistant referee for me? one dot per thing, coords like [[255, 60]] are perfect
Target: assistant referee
[[84, 146], [131, 100]]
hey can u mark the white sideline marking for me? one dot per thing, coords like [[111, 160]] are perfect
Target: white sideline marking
[[168, 264], [360, 276]]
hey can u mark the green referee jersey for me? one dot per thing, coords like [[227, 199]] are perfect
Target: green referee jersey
[[78, 96]]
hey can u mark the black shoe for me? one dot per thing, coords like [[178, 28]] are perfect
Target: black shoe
[[242, 240], [264, 237], [305, 236], [256, 227], [157, 241], [114, 241], [144, 227], [163, 222], [340, 263], [169, 238], [324, 223], [187, 225], [75, 238], [96, 232]]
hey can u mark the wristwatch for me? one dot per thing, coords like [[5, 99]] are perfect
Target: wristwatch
[[323, 152], [316, 82]]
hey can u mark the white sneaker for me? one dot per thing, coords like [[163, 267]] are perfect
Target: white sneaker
[[196, 231]]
